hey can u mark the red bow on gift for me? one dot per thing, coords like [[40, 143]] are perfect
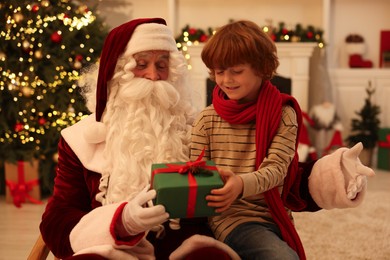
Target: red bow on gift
[[385, 144], [20, 190]]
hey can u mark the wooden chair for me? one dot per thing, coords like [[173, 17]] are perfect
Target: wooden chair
[[39, 251]]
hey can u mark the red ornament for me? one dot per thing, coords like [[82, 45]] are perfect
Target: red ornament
[[79, 57], [192, 31], [309, 35], [35, 8], [18, 127], [41, 121], [273, 37], [203, 38], [284, 31], [56, 37]]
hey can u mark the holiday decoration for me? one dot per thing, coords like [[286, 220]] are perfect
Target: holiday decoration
[[365, 128], [183, 187], [193, 36], [40, 42], [22, 183], [384, 49], [356, 47], [383, 161]]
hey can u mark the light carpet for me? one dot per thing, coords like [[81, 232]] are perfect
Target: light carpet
[[360, 233]]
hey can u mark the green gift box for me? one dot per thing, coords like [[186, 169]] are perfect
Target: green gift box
[[182, 187], [384, 149]]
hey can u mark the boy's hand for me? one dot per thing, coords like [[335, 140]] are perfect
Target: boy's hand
[[222, 198]]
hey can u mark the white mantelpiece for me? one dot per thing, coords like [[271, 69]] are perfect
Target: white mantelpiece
[[294, 61]]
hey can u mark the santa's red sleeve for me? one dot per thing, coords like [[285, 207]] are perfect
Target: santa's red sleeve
[[73, 198]]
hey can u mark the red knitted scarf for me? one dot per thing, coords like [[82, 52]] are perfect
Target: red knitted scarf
[[267, 112]]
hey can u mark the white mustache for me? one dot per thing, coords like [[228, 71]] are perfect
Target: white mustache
[[137, 89]]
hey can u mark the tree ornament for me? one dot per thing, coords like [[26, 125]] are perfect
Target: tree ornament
[[35, 8], [83, 9], [55, 157], [79, 57], [27, 91], [3, 56], [42, 121], [18, 127], [26, 45], [203, 38], [56, 37], [38, 54], [71, 109], [45, 3], [18, 17], [77, 65]]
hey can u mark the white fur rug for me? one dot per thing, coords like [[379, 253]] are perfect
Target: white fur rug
[[360, 233]]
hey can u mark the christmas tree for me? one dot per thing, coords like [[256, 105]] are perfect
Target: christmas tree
[[365, 128], [44, 46]]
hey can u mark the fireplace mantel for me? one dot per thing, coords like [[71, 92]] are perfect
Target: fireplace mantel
[[294, 61]]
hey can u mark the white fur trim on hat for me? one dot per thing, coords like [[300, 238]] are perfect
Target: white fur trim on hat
[[151, 36]]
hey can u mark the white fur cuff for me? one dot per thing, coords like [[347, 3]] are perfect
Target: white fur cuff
[[327, 184]]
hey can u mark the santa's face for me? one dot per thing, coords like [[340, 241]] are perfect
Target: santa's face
[[152, 65]]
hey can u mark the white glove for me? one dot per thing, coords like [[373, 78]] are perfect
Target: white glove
[[355, 173], [137, 217], [339, 180]]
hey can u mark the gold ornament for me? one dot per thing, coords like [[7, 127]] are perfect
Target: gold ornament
[[77, 65], [27, 91], [55, 157], [25, 45], [45, 3], [38, 54], [18, 17], [3, 56], [71, 109]]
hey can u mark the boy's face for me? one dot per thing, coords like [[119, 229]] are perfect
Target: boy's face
[[239, 82]]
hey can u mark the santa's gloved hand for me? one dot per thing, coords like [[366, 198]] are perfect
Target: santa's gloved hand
[[355, 173], [137, 217], [338, 180]]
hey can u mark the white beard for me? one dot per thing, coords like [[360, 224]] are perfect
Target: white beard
[[145, 125]]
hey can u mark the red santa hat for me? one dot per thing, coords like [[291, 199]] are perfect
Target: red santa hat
[[134, 36]]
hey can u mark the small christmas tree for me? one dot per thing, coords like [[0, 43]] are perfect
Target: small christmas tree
[[44, 46], [365, 128]]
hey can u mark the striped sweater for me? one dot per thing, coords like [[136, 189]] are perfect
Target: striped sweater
[[234, 147]]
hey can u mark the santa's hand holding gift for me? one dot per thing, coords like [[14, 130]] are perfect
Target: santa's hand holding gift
[[142, 114]]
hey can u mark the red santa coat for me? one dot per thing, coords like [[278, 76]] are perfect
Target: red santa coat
[[74, 197]]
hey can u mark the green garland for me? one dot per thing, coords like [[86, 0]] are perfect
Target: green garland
[[277, 34]]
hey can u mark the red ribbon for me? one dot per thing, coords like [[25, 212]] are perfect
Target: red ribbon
[[20, 190], [385, 144], [189, 169]]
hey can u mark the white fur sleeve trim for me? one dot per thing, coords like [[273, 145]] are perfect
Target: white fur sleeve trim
[[327, 184], [94, 228]]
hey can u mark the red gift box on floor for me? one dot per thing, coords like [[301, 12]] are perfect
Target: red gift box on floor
[[22, 182]]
